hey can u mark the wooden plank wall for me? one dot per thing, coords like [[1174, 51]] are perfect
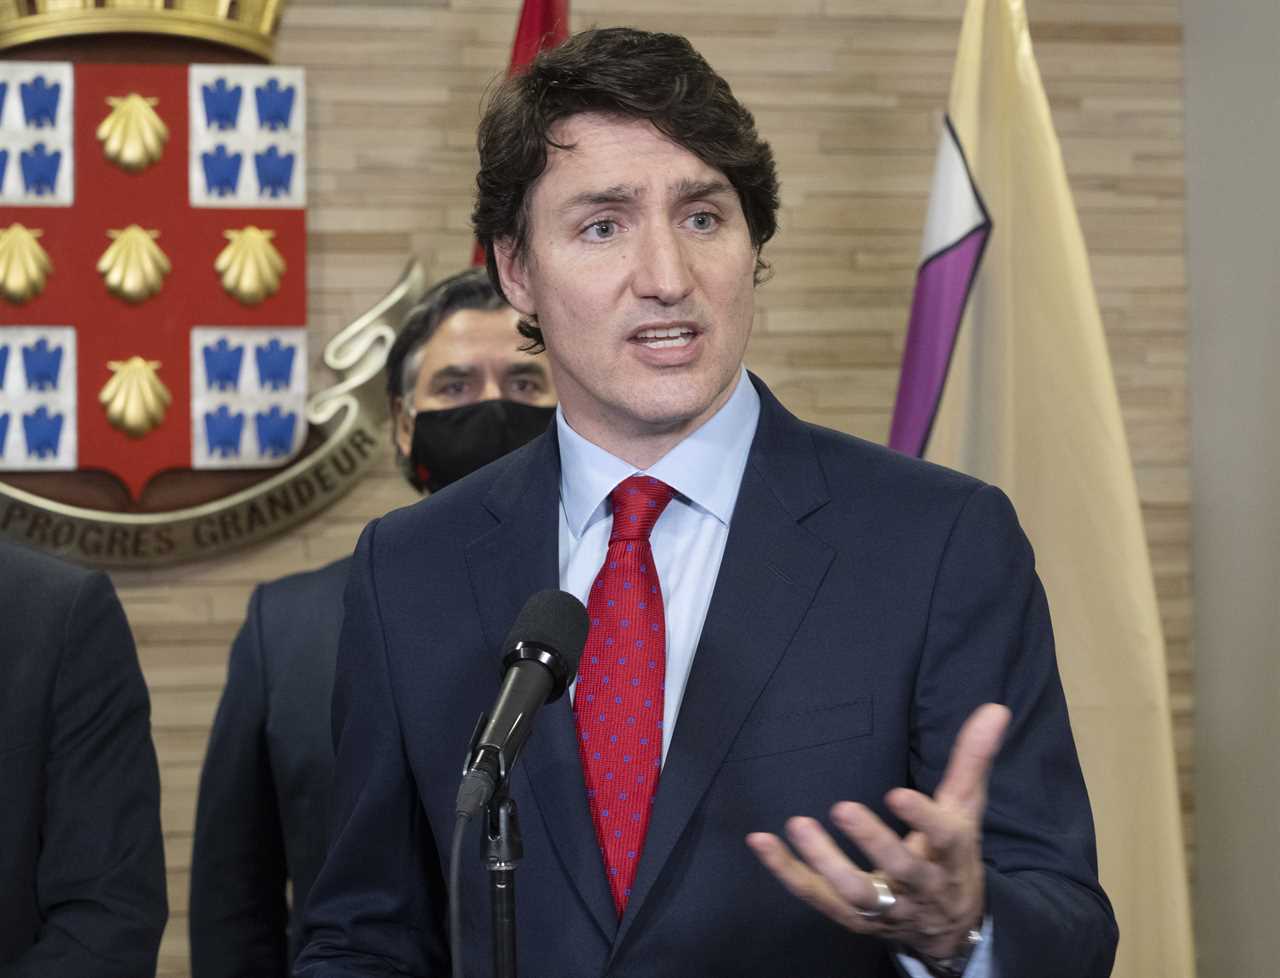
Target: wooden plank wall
[[849, 92]]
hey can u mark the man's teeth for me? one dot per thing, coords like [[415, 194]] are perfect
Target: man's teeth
[[670, 336]]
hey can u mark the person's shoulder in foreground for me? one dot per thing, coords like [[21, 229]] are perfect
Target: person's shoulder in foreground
[[82, 883]]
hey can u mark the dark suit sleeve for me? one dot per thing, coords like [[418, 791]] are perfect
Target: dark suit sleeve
[[376, 907], [989, 638], [100, 878], [238, 912]]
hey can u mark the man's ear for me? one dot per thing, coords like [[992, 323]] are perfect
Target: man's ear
[[514, 276], [402, 426]]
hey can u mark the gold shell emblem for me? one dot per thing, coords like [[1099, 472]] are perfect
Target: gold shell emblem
[[251, 267], [133, 136], [24, 265], [133, 265], [135, 397]]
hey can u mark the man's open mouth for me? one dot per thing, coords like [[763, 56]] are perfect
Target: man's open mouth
[[663, 337]]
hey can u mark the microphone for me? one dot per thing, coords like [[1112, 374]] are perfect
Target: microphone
[[539, 662]]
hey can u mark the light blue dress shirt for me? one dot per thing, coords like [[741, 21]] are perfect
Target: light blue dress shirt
[[705, 470]]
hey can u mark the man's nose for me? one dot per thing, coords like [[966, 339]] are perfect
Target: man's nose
[[490, 387], [662, 269]]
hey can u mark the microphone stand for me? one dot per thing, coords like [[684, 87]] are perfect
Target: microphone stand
[[503, 849]]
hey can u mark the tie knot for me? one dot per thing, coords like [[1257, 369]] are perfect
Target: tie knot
[[637, 504]]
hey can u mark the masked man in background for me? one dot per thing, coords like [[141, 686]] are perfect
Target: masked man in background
[[461, 394]]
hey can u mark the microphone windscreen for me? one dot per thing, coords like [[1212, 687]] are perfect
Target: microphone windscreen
[[557, 620]]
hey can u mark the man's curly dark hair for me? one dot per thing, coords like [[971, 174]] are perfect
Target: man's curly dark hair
[[628, 73]]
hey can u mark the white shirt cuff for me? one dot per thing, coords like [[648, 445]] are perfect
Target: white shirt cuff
[[981, 965]]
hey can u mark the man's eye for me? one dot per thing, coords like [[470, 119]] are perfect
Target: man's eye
[[601, 230], [704, 221], [455, 388], [526, 387]]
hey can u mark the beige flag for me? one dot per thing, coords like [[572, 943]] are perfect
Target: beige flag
[[1007, 377]]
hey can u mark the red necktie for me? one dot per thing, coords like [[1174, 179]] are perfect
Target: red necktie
[[618, 699]]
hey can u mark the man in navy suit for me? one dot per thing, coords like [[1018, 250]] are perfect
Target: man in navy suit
[[82, 886], [460, 393], [786, 622]]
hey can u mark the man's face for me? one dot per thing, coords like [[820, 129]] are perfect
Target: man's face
[[474, 355], [639, 268]]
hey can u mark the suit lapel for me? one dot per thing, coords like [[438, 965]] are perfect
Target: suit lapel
[[519, 555], [516, 558], [769, 574], [554, 772]]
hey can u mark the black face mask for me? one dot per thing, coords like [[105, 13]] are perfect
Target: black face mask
[[455, 442]]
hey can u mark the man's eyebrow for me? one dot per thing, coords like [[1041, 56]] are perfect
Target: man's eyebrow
[[453, 373], [687, 190], [684, 191], [526, 370], [617, 194]]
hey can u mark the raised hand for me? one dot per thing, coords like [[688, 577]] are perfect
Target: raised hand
[[927, 890]]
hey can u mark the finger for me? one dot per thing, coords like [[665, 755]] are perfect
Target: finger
[[947, 833], [826, 858], [965, 781], [802, 882], [886, 850]]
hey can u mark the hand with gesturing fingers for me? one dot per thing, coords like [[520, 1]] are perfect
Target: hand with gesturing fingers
[[934, 876]]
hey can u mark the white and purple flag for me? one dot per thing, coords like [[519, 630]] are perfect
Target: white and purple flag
[[1006, 376]]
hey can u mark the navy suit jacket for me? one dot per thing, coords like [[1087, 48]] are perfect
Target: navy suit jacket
[[867, 603], [82, 884], [265, 786]]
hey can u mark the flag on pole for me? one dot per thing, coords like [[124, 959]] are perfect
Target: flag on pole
[[543, 24], [1006, 376]]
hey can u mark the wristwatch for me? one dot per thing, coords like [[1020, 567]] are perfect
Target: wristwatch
[[953, 966]]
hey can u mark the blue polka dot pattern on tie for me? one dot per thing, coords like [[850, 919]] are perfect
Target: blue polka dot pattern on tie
[[632, 711]]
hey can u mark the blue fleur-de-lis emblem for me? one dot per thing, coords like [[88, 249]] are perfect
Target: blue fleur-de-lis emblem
[[44, 432], [275, 171], [275, 431], [40, 169], [275, 364], [221, 104], [222, 365], [4, 431], [223, 430], [40, 102], [275, 105], [221, 170], [42, 365]]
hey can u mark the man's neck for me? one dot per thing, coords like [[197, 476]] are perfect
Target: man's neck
[[641, 450], [642, 445]]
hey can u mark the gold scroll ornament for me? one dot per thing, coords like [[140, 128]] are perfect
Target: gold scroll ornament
[[133, 265], [24, 265], [133, 135], [135, 397], [250, 265]]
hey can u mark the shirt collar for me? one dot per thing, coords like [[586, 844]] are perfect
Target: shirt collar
[[705, 468]]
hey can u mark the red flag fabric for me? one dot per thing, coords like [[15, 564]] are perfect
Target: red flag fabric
[[543, 24]]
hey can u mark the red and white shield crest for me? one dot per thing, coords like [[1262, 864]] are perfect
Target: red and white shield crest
[[152, 268]]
